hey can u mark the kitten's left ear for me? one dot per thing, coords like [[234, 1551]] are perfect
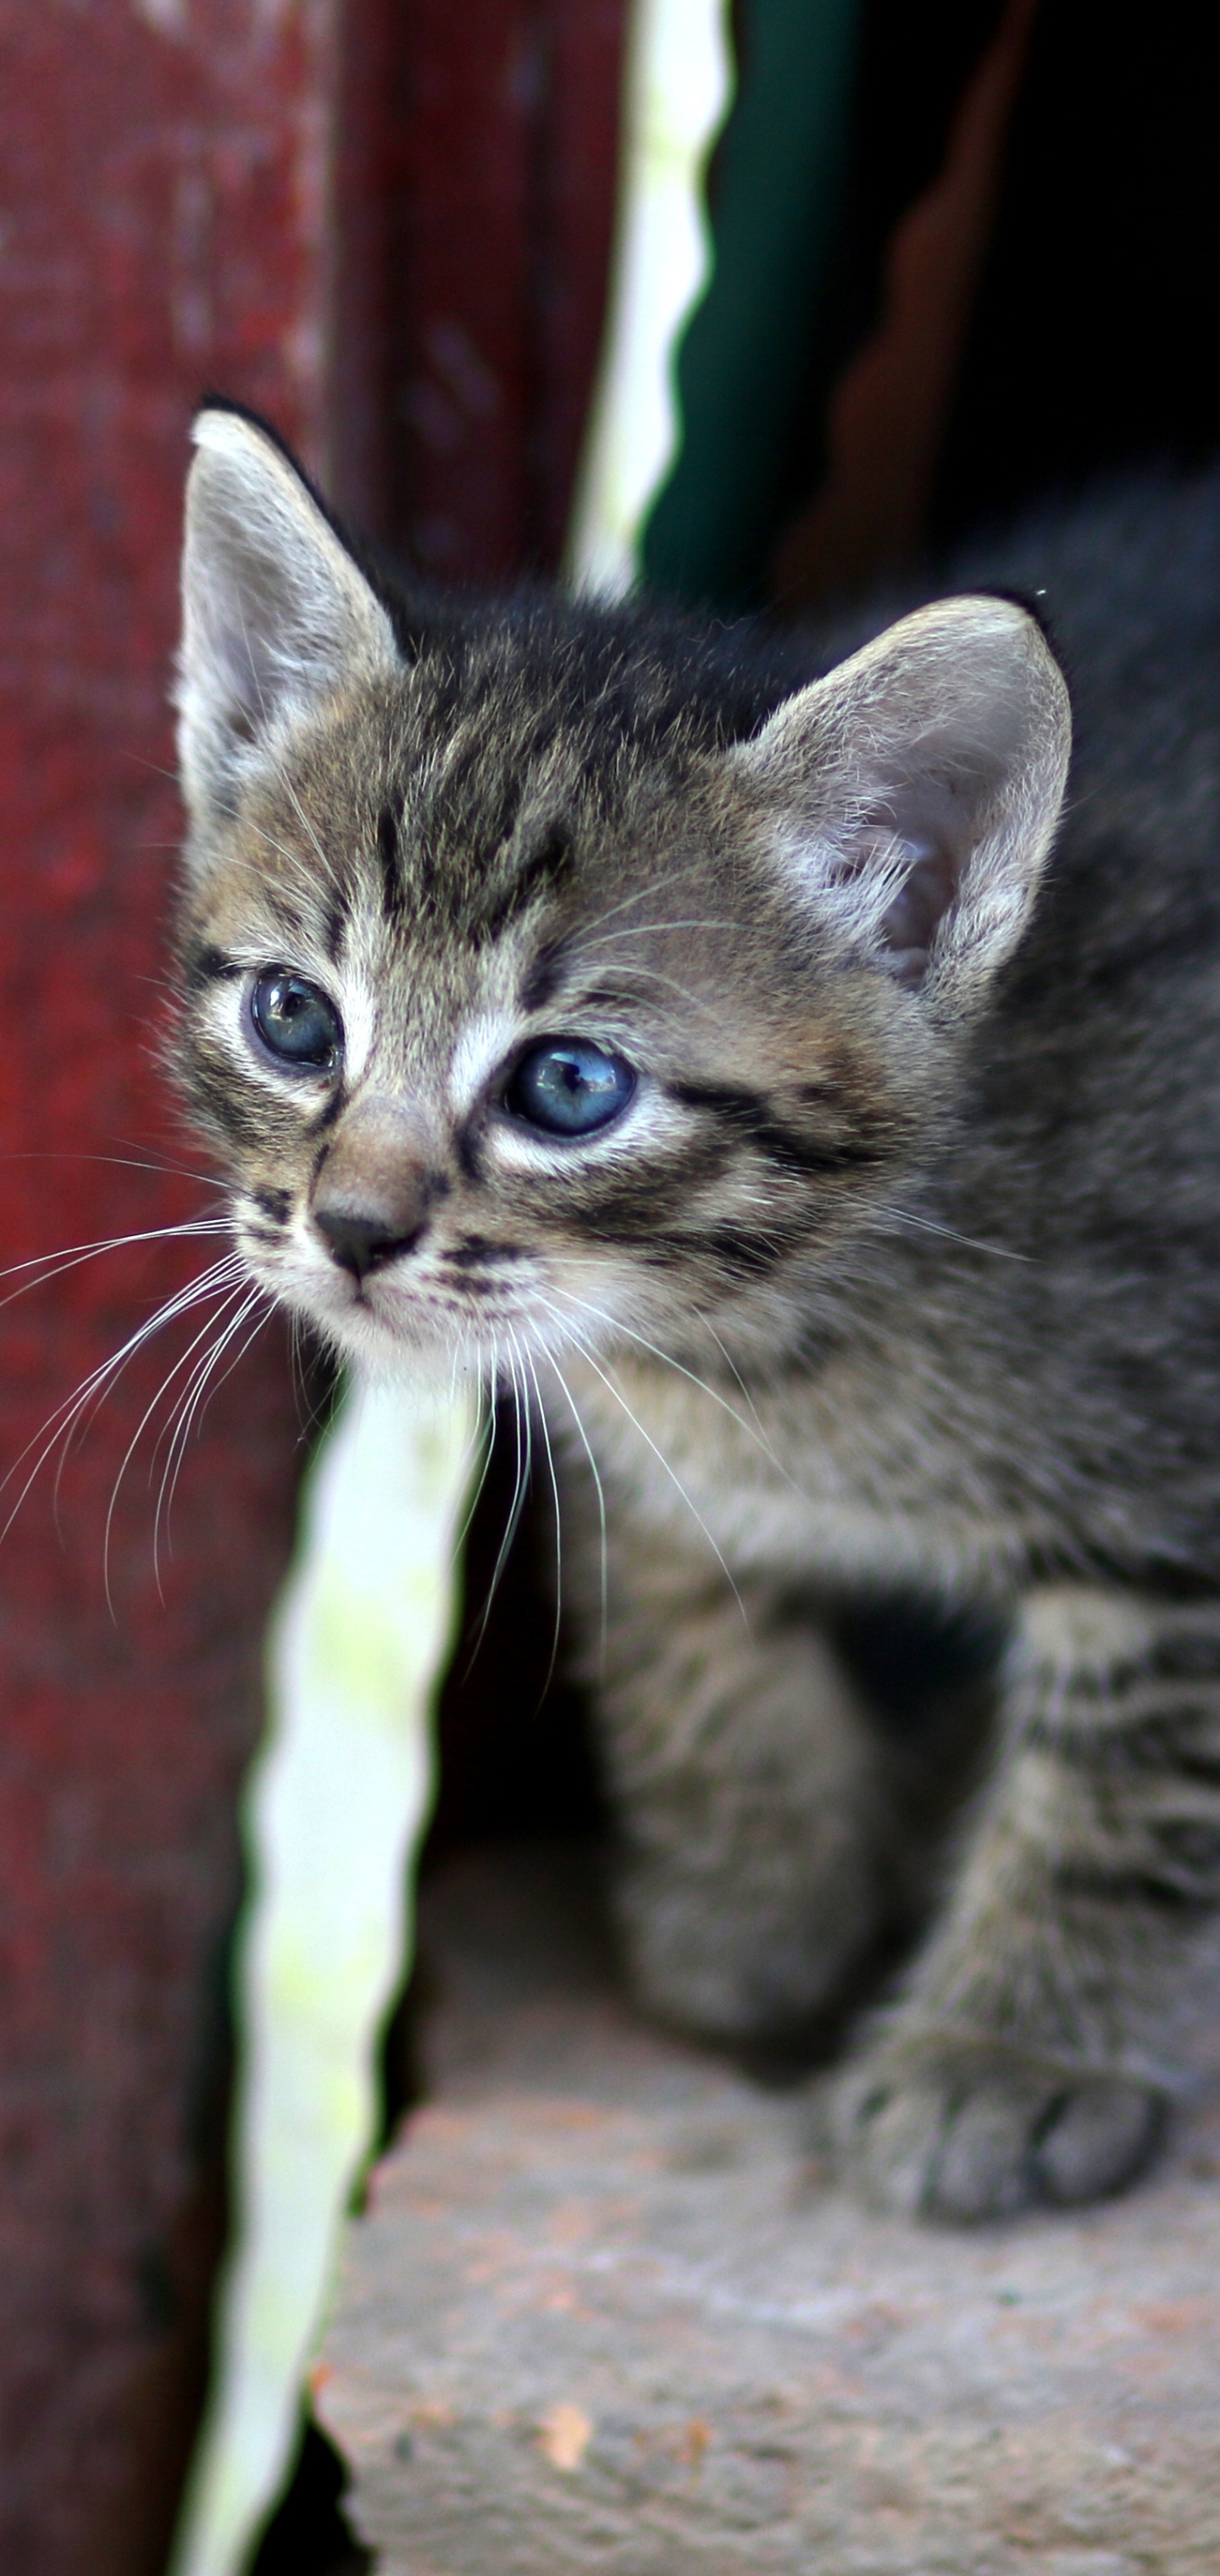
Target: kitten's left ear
[[276, 614], [914, 792]]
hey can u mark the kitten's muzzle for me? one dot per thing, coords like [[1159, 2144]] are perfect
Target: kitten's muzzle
[[375, 1190]]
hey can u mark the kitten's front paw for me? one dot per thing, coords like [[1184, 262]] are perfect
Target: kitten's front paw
[[953, 2129]]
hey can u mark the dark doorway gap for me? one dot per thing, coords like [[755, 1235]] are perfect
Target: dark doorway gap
[[309, 2534]]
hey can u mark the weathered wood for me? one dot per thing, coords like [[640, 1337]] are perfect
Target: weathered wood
[[604, 2311]]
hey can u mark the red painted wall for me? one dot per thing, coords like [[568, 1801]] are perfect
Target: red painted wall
[[509, 139], [163, 187], [388, 228]]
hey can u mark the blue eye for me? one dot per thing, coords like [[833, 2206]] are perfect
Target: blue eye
[[568, 1087], [295, 1021]]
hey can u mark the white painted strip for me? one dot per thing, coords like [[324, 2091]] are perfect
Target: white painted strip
[[334, 1811], [679, 85]]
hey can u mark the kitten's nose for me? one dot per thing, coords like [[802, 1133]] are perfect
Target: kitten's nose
[[374, 1190], [360, 1239]]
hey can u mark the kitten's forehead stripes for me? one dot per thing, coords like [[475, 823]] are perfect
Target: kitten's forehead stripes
[[540, 867], [297, 925], [338, 917], [544, 976], [393, 891]]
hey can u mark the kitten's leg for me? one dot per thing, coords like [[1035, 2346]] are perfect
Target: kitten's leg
[[1046, 2026], [750, 1797]]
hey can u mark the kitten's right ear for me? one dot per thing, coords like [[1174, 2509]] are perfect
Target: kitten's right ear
[[276, 614], [913, 793]]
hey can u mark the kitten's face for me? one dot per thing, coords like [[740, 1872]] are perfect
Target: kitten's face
[[522, 1013], [500, 1089]]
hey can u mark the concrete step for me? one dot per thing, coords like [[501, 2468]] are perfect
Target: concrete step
[[604, 2312]]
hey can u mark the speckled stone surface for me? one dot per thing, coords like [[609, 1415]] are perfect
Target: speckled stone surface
[[604, 2312]]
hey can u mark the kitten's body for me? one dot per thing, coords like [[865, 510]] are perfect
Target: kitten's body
[[898, 1267]]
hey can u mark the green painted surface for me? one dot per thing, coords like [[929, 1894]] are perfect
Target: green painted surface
[[751, 349]]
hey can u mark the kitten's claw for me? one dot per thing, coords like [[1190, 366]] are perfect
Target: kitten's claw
[[946, 2129]]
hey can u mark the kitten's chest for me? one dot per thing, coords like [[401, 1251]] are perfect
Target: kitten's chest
[[830, 1478]]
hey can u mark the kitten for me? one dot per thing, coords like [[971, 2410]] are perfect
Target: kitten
[[744, 1057]]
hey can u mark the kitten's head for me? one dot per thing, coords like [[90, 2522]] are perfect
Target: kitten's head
[[544, 981]]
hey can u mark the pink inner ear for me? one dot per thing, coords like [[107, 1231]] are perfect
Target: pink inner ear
[[909, 926]]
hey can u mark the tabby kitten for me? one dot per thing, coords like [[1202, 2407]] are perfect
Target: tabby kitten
[[750, 1064]]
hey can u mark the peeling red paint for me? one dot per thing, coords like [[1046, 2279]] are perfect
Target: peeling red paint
[[163, 197]]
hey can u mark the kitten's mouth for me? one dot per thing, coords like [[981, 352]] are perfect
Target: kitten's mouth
[[408, 1308], [486, 1305]]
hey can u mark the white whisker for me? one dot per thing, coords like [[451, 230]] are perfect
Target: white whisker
[[178, 1430], [167, 1381], [489, 1443], [69, 1415], [520, 1490], [53, 1265], [662, 1461], [657, 929], [927, 1225], [651, 886], [599, 1489], [753, 1431], [550, 1460]]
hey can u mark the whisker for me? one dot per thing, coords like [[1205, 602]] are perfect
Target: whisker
[[598, 1488], [662, 1461], [927, 1225], [754, 1431], [52, 1265], [281, 848], [520, 1491], [67, 1416], [655, 929], [174, 1433], [121, 1162], [73, 1408], [550, 1460], [133, 1443], [653, 975], [731, 1364], [104, 1379], [325, 861], [206, 1384], [650, 886], [488, 1437]]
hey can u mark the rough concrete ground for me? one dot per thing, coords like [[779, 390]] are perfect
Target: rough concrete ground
[[603, 2312]]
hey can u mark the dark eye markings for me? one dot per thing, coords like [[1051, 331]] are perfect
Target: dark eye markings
[[752, 1119], [294, 1022], [277, 1204], [206, 965], [474, 1249], [568, 1087]]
